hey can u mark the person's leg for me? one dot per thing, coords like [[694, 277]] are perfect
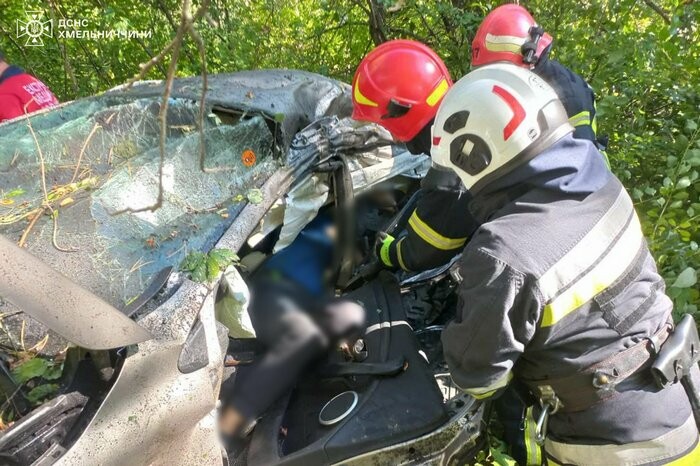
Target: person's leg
[[293, 340], [511, 411]]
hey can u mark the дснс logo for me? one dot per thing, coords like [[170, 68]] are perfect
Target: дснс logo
[[34, 28]]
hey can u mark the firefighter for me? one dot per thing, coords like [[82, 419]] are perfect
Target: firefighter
[[560, 294], [510, 34], [400, 85], [21, 93]]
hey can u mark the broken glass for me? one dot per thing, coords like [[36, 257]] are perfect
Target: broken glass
[[74, 183]]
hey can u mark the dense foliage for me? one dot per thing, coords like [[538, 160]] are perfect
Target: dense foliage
[[642, 58]]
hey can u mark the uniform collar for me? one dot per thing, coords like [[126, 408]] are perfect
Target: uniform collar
[[11, 71], [570, 167]]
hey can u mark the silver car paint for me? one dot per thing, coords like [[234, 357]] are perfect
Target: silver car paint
[[154, 414]]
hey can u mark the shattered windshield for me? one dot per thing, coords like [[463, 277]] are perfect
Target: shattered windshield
[[71, 179]]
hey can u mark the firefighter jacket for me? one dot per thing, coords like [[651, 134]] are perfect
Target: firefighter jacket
[[22, 93], [437, 229], [558, 278], [575, 94]]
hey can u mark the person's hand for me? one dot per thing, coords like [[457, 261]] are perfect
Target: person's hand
[[381, 248], [342, 318]]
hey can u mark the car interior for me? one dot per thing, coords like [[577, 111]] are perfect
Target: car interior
[[387, 376]]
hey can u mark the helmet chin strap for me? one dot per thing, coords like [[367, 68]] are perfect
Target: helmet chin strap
[[529, 48]]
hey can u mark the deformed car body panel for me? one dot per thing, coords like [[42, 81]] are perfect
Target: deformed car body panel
[[71, 311], [295, 98], [155, 412], [116, 255]]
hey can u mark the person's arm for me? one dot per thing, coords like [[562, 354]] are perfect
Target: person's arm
[[10, 107], [437, 230], [496, 319]]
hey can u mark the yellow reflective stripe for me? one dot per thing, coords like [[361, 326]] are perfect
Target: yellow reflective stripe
[[581, 119], [360, 98], [437, 93], [384, 250], [511, 44], [594, 122], [582, 258], [484, 392], [691, 459], [604, 274], [399, 255], [432, 237], [482, 396], [594, 125], [532, 449]]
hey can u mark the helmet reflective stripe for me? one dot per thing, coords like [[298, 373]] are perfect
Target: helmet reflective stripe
[[511, 44], [502, 35], [437, 94], [518, 111], [360, 98]]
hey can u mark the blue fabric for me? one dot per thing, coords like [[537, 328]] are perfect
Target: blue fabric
[[11, 71], [572, 166], [306, 259]]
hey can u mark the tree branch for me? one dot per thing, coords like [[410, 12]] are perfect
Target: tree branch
[[660, 11]]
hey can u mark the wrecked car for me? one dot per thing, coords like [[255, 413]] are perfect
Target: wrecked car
[[124, 258]]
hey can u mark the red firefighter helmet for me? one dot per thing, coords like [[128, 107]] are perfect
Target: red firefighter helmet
[[509, 33], [399, 85]]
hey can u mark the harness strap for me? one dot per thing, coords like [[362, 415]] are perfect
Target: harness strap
[[597, 383]]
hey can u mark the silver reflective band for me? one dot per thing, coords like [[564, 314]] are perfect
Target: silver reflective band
[[395, 323], [666, 447], [594, 264]]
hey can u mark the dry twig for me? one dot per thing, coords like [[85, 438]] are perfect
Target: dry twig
[[186, 27], [82, 151]]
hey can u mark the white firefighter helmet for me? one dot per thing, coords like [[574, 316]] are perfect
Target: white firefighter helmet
[[493, 120]]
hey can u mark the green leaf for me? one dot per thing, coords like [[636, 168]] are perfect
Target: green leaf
[[30, 369], [255, 196], [192, 260], [686, 278], [683, 183], [212, 268], [223, 257], [199, 274], [15, 193], [54, 372], [691, 125], [40, 392]]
